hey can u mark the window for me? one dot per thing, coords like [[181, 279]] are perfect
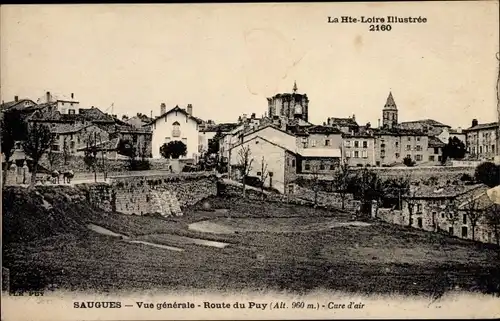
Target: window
[[418, 139], [419, 208], [464, 231], [431, 158], [442, 215], [356, 154], [347, 154], [293, 162], [176, 132], [382, 153], [464, 219], [408, 155], [55, 148], [307, 166], [409, 139], [365, 154], [408, 147], [322, 167], [332, 167], [492, 148], [347, 143], [72, 145], [397, 144], [313, 143], [486, 148], [134, 139], [356, 144], [290, 189], [71, 111], [450, 230], [418, 148], [397, 155], [418, 158], [480, 149], [259, 173], [436, 150], [419, 222], [327, 142], [382, 145], [365, 144]]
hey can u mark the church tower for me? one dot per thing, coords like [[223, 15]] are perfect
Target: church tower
[[289, 105], [390, 113]]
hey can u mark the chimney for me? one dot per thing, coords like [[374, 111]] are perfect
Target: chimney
[[253, 115], [379, 122], [353, 117], [48, 96], [163, 109], [16, 98], [72, 95], [189, 109], [474, 122]]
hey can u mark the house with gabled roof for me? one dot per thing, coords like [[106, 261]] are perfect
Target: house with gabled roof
[[176, 124]]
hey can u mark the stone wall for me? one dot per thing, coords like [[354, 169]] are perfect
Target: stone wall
[[329, 199], [166, 194]]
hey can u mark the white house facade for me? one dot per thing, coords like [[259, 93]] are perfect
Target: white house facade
[[176, 125]]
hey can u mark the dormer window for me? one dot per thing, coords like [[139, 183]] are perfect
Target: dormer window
[[176, 132]]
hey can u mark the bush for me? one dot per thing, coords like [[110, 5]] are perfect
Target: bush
[[408, 161], [466, 178], [139, 165], [488, 173]]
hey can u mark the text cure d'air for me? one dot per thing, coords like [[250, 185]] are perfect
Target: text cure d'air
[[388, 19]]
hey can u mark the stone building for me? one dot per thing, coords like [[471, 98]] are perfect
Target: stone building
[[481, 140], [289, 105], [359, 148], [435, 149], [345, 125], [392, 145], [429, 126], [447, 209]]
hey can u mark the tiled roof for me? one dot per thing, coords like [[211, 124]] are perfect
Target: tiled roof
[[429, 122], [11, 104], [482, 126], [342, 122], [225, 127], [177, 109], [95, 114], [448, 191], [318, 129], [395, 131], [435, 142], [67, 128]]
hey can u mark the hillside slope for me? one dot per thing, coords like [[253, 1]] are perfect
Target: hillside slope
[[44, 211]]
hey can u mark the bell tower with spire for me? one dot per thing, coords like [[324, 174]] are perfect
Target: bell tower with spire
[[390, 113]]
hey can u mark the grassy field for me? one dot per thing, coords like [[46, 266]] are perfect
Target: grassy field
[[376, 258]]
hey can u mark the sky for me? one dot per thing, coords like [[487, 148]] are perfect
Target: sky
[[226, 59]]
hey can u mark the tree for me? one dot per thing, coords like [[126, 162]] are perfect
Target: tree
[[173, 149], [13, 129], [474, 214], [65, 151], [245, 161], [52, 158], [370, 188], [341, 180], [316, 184], [454, 149], [264, 174], [90, 154], [452, 213], [38, 141], [492, 218], [487, 173]]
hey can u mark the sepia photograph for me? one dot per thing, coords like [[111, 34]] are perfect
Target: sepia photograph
[[250, 161]]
